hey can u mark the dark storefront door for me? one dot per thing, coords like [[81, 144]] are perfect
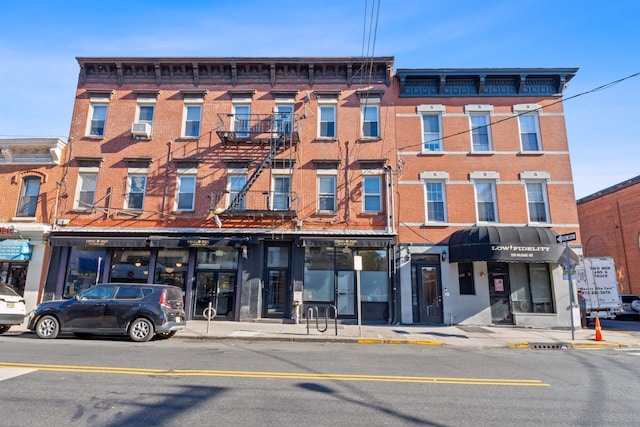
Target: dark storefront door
[[217, 287], [275, 293], [427, 296], [499, 293]]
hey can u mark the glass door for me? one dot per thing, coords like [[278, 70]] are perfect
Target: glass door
[[275, 293], [218, 288], [346, 293], [500, 293], [427, 293]]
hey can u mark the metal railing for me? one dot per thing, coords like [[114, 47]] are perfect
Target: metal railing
[[255, 201], [235, 128]]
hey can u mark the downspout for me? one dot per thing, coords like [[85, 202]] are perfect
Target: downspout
[[166, 177]]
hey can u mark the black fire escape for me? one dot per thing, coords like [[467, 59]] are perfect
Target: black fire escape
[[269, 135]]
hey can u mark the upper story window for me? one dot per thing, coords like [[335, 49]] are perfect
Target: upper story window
[[486, 201], [327, 118], [327, 113], [192, 117], [136, 187], [480, 121], [284, 118], [86, 190], [431, 126], [435, 200], [537, 202], [372, 194], [186, 193], [29, 194], [370, 113], [326, 193], [236, 183], [281, 192], [529, 126], [99, 100], [241, 120], [98, 119], [192, 122]]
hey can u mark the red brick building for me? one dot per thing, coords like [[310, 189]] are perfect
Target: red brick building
[[610, 226], [237, 179], [254, 183], [484, 186], [29, 175]]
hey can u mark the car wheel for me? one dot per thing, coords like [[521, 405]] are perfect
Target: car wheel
[[165, 335], [47, 327], [4, 328], [141, 330]]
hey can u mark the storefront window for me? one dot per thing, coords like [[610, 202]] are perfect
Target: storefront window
[[171, 267], [373, 278], [130, 265], [84, 270], [225, 258], [531, 288], [319, 273]]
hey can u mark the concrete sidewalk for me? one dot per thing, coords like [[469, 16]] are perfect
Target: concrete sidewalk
[[453, 336]]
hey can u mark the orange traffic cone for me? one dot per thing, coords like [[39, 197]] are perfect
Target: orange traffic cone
[[598, 331]]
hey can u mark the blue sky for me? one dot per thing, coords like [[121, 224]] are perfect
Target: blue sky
[[40, 39]]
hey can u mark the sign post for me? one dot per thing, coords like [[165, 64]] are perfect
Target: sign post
[[357, 266], [566, 238]]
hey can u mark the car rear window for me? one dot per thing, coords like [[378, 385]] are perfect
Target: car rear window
[[629, 298], [174, 294], [129, 292], [5, 290]]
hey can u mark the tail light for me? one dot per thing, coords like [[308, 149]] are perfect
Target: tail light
[[163, 299]]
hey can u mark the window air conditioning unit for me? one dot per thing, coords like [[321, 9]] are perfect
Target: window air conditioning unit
[[141, 129]]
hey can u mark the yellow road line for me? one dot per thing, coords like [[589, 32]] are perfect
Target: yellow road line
[[276, 375]]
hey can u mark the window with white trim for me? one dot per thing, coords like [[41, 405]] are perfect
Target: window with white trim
[[486, 201], [529, 132], [372, 194], [281, 192], [136, 187], [29, 194], [480, 131], [235, 186], [370, 115], [192, 118], [435, 201], [326, 193], [284, 118], [537, 202], [145, 114], [186, 193], [86, 191], [241, 120], [327, 121], [98, 119], [431, 132]]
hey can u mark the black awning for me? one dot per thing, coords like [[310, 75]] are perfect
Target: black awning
[[195, 241], [347, 242], [506, 244], [102, 241]]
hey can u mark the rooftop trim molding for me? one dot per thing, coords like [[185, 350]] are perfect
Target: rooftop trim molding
[[40, 150], [468, 82], [236, 70]]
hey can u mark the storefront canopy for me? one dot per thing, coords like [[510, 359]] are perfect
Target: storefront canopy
[[196, 241], [342, 242], [505, 244], [110, 242]]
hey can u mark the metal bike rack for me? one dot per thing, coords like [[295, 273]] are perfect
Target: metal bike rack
[[313, 311]]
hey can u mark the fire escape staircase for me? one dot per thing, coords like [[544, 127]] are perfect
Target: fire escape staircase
[[275, 130]]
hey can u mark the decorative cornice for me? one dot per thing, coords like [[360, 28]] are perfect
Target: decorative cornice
[[431, 82], [235, 71]]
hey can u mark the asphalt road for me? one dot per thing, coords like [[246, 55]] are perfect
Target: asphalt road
[[114, 382]]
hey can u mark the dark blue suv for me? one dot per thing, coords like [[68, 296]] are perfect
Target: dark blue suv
[[140, 311]]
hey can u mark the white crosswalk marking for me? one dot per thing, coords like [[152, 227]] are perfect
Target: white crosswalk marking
[[6, 373]]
